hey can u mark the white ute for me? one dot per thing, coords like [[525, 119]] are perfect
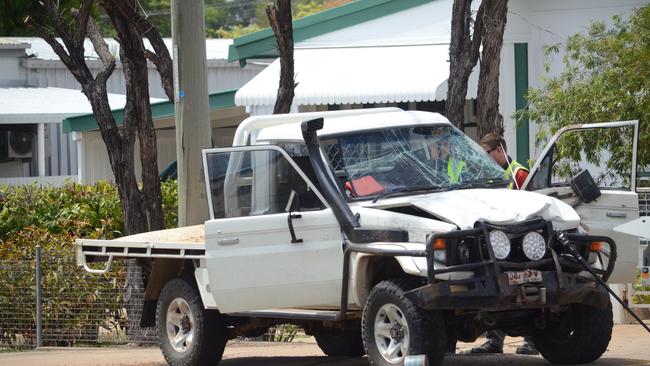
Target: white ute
[[388, 233]]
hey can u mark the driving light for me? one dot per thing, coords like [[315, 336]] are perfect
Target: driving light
[[500, 244], [534, 245]]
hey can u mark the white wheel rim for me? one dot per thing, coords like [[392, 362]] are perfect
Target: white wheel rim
[[391, 333], [180, 325]]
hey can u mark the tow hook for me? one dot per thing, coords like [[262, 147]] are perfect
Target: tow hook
[[531, 293]]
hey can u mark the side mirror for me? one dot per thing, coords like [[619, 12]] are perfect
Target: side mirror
[[584, 187]]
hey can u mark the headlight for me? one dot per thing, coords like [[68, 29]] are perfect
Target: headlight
[[500, 244], [534, 245]]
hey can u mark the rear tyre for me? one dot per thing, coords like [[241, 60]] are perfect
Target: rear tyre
[[393, 327], [340, 342], [188, 334], [577, 336]]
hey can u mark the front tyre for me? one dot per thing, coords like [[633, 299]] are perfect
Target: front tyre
[[393, 327], [188, 334], [580, 335]]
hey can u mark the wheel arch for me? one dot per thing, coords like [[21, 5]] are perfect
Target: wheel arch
[[372, 269], [163, 270]]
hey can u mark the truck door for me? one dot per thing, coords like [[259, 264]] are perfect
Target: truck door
[[608, 151], [271, 242]]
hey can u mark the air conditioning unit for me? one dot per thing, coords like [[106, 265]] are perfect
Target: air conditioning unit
[[19, 144]]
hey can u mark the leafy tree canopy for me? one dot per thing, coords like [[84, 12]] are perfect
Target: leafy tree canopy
[[606, 77], [223, 18]]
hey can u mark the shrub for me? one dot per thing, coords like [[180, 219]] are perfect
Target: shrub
[[75, 303]]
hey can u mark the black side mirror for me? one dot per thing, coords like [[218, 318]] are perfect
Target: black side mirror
[[584, 186]]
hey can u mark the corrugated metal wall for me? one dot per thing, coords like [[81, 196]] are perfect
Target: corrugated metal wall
[[221, 76], [96, 166]]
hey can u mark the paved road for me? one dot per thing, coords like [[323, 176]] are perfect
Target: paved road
[[630, 346]]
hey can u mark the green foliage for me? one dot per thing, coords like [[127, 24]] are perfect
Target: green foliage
[[72, 298], [638, 285], [606, 77], [90, 211], [232, 32], [223, 18], [169, 191]]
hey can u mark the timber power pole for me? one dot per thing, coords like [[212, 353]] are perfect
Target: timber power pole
[[193, 129]]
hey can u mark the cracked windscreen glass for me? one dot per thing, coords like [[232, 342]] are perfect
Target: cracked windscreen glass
[[409, 159]]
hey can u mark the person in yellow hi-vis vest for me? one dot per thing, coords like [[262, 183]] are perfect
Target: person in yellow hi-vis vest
[[439, 153], [495, 146]]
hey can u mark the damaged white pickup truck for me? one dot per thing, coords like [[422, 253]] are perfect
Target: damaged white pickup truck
[[387, 233]]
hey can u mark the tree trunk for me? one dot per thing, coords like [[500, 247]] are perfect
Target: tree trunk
[[137, 113], [281, 23], [463, 55], [142, 210], [120, 156], [487, 114]]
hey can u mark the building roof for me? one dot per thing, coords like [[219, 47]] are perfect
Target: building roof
[[216, 49], [6, 43], [159, 109], [356, 75], [262, 44], [21, 105]]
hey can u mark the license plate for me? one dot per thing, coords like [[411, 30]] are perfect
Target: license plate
[[527, 276]]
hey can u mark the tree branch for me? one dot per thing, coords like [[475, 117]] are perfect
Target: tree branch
[[70, 55], [479, 26], [48, 37], [100, 46], [75, 50], [82, 16], [281, 23], [160, 57]]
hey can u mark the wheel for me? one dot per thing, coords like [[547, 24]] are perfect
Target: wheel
[[393, 327], [188, 334], [452, 342], [579, 335], [340, 342]]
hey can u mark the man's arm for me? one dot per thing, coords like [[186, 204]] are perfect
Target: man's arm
[[520, 177]]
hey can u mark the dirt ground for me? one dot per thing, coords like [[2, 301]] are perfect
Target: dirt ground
[[630, 346]]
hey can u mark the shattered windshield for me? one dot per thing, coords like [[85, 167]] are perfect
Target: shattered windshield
[[409, 159]]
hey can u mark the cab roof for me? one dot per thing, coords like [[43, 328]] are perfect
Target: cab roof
[[336, 125]]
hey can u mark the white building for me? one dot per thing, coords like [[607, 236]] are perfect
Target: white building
[[37, 93]]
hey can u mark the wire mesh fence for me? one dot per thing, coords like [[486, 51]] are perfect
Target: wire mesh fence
[[80, 308], [17, 303], [76, 307]]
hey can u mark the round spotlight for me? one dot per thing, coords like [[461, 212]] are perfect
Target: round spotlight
[[534, 246], [500, 244]]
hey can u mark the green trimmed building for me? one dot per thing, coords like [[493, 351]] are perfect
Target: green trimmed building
[[375, 53]]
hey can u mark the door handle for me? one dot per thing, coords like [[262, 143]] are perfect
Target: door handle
[[228, 241], [290, 218], [616, 214]]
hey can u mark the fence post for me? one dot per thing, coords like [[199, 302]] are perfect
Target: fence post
[[39, 322]]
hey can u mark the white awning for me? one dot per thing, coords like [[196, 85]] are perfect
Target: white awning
[[20, 105], [378, 74]]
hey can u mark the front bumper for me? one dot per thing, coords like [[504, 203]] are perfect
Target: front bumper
[[493, 293], [563, 280]]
